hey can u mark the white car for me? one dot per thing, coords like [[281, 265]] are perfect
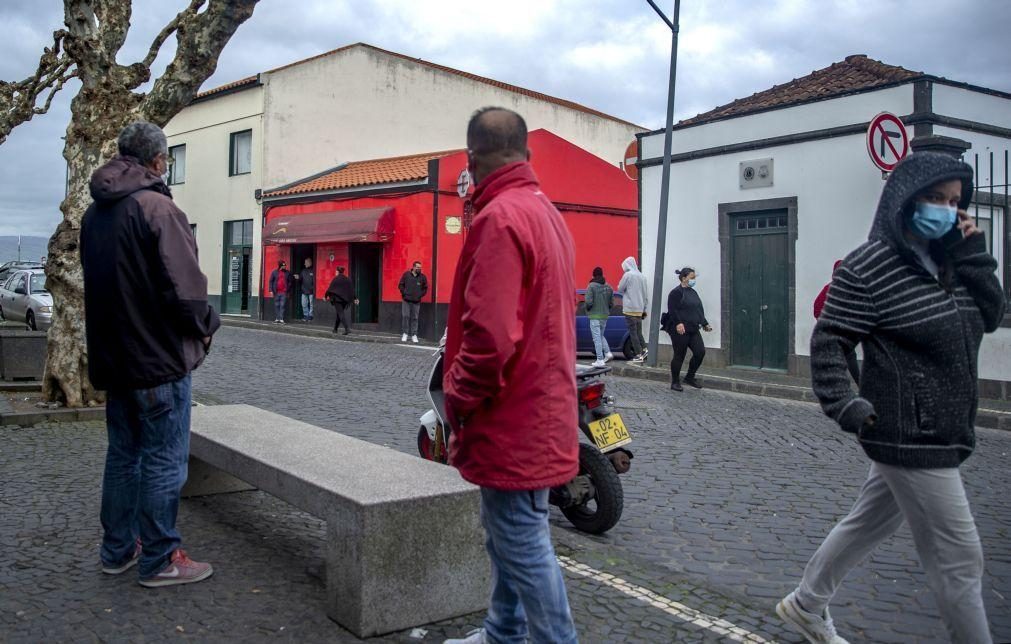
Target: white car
[[24, 298]]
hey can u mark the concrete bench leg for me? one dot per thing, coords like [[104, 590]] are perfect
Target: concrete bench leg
[[205, 479], [392, 566]]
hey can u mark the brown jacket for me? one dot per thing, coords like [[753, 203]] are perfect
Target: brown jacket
[[145, 298]]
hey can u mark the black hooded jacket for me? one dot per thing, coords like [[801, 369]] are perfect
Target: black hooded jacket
[[145, 298], [341, 290], [920, 334]]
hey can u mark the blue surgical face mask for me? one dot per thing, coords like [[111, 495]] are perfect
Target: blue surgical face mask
[[691, 283], [932, 221]]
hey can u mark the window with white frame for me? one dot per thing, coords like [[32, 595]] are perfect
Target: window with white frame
[[240, 153], [177, 165]]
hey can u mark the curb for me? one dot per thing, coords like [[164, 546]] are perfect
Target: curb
[[30, 418], [317, 332], [22, 385], [985, 417]]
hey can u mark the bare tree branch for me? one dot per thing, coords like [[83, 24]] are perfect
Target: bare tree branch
[[160, 39], [52, 92], [201, 36], [18, 100]]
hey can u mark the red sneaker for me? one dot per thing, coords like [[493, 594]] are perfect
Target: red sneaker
[[130, 563], [181, 570]]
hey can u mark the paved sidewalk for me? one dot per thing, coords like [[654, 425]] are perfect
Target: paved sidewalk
[[269, 569]]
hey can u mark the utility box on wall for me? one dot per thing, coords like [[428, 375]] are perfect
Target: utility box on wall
[[755, 174]]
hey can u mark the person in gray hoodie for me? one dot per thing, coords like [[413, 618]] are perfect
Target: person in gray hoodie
[[634, 291], [599, 300], [918, 296]]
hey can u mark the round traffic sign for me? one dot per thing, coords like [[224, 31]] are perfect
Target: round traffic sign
[[463, 183], [887, 141], [631, 158]]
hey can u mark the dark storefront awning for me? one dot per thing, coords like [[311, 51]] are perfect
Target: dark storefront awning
[[362, 225]]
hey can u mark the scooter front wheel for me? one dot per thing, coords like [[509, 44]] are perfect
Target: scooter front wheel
[[602, 512]]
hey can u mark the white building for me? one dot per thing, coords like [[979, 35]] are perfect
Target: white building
[[357, 102], [764, 241]]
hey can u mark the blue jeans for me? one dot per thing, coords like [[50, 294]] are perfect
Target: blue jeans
[[599, 342], [307, 301], [528, 593], [279, 301], [145, 469]]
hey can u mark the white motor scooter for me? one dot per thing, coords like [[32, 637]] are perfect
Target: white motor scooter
[[593, 500]]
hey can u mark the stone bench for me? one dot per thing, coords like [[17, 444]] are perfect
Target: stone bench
[[404, 538]]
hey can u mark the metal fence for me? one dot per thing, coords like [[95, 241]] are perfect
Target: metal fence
[[992, 210]]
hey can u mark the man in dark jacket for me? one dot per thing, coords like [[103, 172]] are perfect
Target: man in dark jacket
[[413, 286], [510, 395], [307, 285], [341, 293], [919, 295], [148, 326], [279, 287]]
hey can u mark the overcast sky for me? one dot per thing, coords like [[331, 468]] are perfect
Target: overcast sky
[[608, 54]]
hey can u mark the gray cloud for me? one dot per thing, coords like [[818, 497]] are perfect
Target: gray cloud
[[608, 54]]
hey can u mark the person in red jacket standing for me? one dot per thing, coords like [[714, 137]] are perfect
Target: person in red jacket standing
[[510, 379], [819, 304]]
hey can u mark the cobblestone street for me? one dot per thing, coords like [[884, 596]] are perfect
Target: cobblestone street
[[727, 498]]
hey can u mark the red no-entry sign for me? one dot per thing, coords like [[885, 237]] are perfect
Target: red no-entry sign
[[887, 141]]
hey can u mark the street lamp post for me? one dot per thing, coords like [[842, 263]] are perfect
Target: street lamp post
[[661, 234]]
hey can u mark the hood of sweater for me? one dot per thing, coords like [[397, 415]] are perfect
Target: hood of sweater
[[629, 265], [911, 176], [123, 176]]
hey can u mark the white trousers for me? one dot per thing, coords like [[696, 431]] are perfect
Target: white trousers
[[934, 504]]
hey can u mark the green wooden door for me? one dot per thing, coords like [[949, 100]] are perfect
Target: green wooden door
[[760, 305], [366, 271], [237, 266]]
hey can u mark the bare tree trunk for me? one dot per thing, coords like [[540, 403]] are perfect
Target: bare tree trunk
[[96, 29]]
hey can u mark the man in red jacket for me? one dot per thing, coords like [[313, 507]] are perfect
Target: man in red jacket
[[510, 378]]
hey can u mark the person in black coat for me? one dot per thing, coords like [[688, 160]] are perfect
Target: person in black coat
[[341, 294], [683, 320]]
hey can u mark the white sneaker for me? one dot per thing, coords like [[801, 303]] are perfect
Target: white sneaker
[[414, 339], [609, 357], [819, 630], [597, 363], [403, 338], [473, 637]]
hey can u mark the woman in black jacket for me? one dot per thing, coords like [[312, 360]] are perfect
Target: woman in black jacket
[[685, 317]]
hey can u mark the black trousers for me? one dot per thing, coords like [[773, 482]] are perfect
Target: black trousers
[[342, 318], [682, 343]]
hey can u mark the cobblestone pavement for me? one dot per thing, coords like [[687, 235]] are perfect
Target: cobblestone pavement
[[727, 498]]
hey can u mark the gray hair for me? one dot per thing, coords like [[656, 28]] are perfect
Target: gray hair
[[143, 141]]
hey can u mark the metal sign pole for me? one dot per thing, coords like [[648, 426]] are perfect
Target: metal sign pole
[[661, 235]]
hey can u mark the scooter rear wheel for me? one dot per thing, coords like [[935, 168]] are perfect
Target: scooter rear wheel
[[602, 512]]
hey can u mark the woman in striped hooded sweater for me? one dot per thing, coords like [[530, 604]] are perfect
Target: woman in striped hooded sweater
[[918, 296]]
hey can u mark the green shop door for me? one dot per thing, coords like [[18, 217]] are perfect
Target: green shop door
[[237, 266], [759, 296], [366, 273]]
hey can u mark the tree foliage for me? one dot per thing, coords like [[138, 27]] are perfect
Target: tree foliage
[[86, 49]]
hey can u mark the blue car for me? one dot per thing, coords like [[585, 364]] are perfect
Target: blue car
[[616, 332]]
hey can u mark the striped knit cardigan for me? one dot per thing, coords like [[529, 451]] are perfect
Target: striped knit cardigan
[[920, 334]]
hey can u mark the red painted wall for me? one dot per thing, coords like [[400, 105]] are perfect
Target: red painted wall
[[412, 240], [568, 174]]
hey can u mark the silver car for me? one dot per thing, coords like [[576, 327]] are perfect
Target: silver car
[[24, 298]]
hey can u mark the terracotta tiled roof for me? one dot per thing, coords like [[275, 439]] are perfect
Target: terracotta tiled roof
[[474, 77], [856, 73], [249, 80], [413, 167]]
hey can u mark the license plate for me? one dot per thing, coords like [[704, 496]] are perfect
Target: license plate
[[609, 432]]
